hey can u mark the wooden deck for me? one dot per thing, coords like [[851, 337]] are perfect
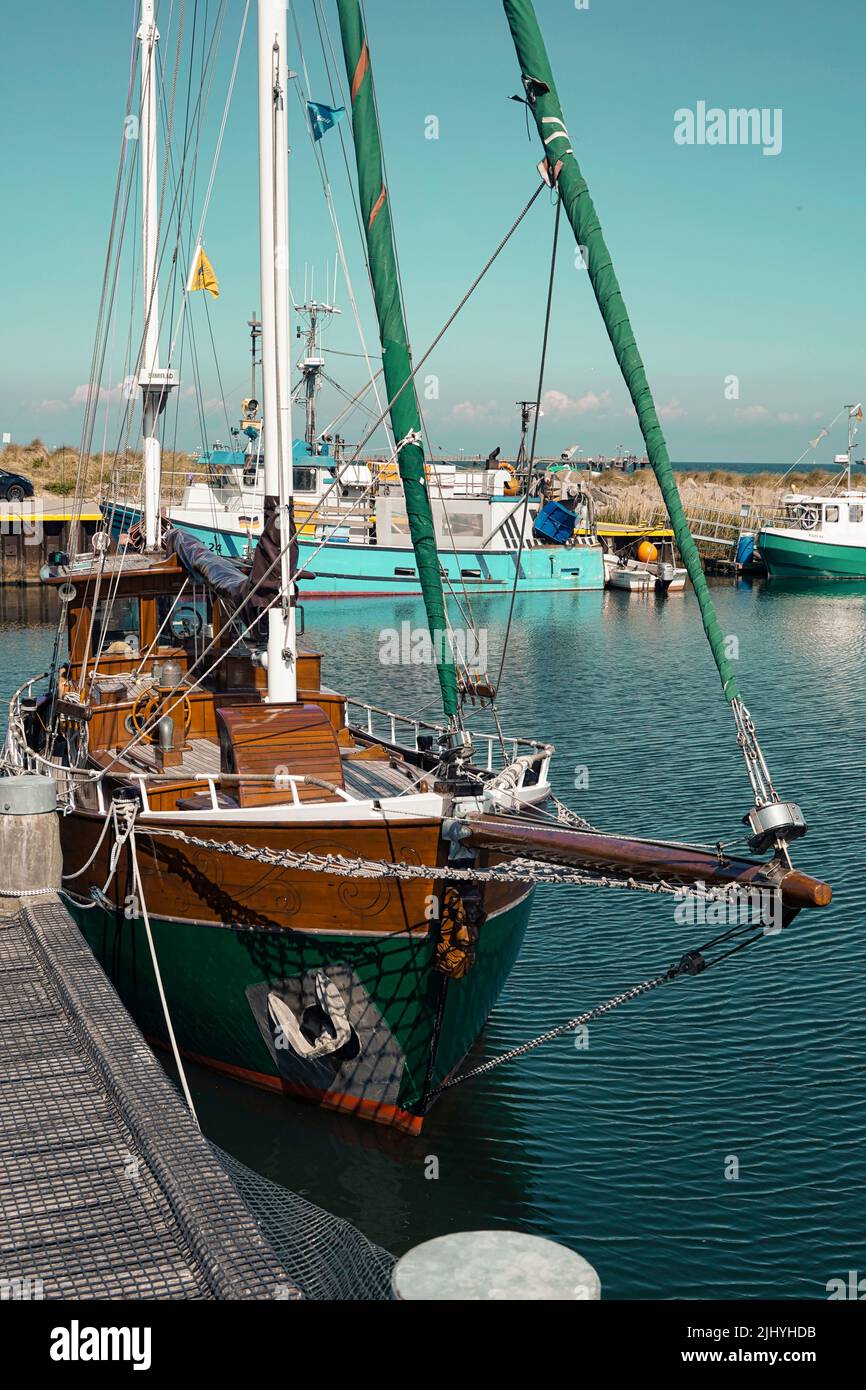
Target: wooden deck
[[365, 779]]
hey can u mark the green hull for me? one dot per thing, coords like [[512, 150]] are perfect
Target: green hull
[[217, 981], [811, 558]]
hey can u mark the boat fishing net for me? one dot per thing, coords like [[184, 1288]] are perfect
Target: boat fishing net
[[328, 1258]]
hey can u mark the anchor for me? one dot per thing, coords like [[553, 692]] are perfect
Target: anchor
[[287, 1024]]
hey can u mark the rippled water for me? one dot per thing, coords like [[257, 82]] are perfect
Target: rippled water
[[621, 1149]]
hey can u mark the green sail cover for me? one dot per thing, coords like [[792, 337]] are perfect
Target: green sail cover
[[544, 104], [396, 361]]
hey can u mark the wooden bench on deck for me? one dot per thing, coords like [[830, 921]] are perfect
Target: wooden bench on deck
[[270, 742]]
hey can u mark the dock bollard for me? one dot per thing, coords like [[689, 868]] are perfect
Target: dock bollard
[[30, 858], [493, 1265]]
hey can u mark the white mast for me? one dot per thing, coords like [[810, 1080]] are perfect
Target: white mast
[[852, 430], [276, 365], [155, 383]]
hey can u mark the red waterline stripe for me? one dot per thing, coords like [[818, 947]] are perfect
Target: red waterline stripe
[[377, 1111]]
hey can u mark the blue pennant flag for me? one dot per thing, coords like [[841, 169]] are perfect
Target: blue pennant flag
[[322, 117]]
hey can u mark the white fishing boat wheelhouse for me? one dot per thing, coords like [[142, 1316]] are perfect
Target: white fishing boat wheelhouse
[[820, 535]]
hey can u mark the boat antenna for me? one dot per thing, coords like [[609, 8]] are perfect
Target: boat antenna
[[522, 463], [312, 363], [255, 328]]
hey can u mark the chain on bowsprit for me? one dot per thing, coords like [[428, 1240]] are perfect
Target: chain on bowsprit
[[519, 870], [693, 962]]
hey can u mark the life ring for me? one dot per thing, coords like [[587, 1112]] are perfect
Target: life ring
[[809, 518], [512, 487]]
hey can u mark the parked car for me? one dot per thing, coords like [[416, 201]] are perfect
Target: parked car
[[14, 487]]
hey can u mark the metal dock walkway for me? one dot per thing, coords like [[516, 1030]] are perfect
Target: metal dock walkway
[[107, 1188]]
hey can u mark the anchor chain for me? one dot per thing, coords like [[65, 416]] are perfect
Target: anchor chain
[[691, 963]]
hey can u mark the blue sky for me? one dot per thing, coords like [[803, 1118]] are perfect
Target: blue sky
[[732, 262]]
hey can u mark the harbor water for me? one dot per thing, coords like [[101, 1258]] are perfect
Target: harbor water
[[706, 1141]]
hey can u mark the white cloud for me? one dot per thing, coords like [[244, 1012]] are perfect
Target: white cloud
[[672, 411], [81, 394], [752, 412], [470, 411], [558, 403], [52, 407]]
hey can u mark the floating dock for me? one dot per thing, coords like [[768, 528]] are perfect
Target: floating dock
[[108, 1190]]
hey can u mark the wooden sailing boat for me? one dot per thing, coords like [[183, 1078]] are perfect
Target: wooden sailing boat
[[317, 896]]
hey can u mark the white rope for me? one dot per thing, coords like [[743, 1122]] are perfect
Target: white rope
[[97, 847], [26, 892], [136, 874], [413, 437]]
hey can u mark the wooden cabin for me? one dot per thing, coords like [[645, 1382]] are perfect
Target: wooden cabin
[[224, 746]]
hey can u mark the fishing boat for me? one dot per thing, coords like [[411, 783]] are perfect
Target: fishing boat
[[306, 891], [821, 535], [353, 533]]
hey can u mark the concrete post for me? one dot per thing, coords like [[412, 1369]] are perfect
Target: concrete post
[[507, 1266], [30, 856]]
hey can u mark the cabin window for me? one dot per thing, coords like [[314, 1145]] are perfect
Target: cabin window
[[305, 479], [467, 524], [117, 627], [855, 514], [831, 514], [183, 619]]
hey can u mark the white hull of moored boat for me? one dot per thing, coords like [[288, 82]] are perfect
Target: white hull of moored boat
[[633, 581], [639, 577]]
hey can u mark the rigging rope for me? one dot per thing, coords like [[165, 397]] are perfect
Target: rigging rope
[[544, 343]]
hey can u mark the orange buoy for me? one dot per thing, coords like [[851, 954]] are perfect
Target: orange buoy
[[647, 553]]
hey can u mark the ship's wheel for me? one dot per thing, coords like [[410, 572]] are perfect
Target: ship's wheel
[[149, 707]]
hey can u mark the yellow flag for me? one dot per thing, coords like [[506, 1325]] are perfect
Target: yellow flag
[[203, 277]]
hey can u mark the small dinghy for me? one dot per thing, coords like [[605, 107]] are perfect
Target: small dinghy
[[632, 575], [647, 568]]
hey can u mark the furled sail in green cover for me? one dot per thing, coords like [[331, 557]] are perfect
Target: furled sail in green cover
[[544, 103], [396, 360]]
